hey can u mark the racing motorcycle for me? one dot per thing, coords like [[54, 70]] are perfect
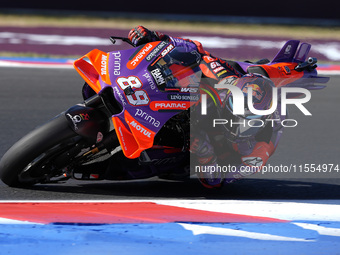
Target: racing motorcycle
[[136, 111]]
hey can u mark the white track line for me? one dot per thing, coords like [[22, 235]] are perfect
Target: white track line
[[320, 229], [201, 230]]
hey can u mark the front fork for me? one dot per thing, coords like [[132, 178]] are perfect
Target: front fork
[[91, 121]]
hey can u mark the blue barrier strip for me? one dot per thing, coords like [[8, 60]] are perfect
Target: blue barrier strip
[[169, 238]]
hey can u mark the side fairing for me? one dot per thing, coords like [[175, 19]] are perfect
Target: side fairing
[[146, 108]]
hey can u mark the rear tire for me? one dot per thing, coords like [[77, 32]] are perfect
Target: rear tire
[[31, 146]]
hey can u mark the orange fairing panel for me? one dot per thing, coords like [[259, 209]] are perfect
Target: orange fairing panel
[[134, 139], [100, 61], [282, 73], [88, 73], [98, 67]]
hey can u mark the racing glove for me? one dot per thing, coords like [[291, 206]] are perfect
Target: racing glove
[[141, 35]]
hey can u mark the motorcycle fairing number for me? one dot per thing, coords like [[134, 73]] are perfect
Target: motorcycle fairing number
[[139, 97], [130, 81]]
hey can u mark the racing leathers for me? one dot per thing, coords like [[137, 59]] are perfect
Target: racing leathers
[[219, 155]]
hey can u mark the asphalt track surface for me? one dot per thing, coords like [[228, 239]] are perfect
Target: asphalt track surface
[[32, 96]]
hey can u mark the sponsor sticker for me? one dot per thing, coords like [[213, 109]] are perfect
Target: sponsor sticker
[[169, 105], [147, 117], [157, 75], [142, 53], [168, 49], [156, 50]]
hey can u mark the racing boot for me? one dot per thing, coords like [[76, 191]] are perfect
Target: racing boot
[[208, 172]]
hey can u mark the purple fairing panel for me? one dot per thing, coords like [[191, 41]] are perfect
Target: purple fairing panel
[[147, 84], [287, 52], [302, 52]]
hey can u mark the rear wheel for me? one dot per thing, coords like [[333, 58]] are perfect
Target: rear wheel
[[30, 160]]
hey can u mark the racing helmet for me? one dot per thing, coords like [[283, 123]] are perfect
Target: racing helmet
[[241, 127]]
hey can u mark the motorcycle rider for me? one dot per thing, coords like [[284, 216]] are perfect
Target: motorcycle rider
[[244, 146]]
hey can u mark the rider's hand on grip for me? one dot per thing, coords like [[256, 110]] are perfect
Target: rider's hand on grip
[[141, 35]]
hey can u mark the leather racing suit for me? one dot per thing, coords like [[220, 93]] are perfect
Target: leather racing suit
[[216, 149]]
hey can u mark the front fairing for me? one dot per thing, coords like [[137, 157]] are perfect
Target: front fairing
[[136, 77]]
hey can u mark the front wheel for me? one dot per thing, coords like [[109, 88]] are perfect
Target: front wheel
[[19, 165]]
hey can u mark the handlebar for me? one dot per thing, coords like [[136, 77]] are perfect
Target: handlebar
[[124, 39]]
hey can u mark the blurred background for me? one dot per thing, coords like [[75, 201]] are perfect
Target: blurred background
[[236, 30], [61, 31], [289, 11]]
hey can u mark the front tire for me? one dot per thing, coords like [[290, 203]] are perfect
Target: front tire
[[30, 147]]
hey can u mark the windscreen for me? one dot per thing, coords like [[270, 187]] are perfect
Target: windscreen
[[176, 69]]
